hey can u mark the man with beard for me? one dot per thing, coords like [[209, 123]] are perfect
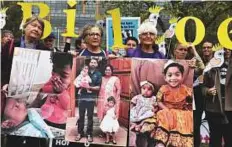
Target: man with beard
[[207, 52], [86, 100]]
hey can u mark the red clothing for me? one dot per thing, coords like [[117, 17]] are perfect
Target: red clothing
[[55, 109], [175, 124]]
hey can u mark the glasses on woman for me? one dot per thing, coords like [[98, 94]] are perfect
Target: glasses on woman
[[148, 33], [94, 34]]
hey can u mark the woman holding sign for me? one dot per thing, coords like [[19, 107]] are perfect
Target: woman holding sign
[[146, 48], [92, 35], [33, 30]]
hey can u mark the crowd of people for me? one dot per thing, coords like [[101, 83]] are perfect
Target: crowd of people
[[169, 111]]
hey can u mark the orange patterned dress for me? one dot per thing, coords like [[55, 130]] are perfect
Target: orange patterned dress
[[175, 124]]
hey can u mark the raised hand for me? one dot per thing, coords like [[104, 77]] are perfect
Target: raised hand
[[59, 86]]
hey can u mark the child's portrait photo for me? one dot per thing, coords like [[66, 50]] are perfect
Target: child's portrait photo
[[161, 103]]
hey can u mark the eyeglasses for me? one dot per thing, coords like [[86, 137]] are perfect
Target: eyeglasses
[[148, 33], [204, 47], [93, 34]]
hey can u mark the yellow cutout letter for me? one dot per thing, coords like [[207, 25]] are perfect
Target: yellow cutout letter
[[116, 22], [44, 11], [70, 20], [222, 34], [180, 30]]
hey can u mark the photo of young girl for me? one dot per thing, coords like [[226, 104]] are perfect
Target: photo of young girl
[[169, 119], [57, 102], [109, 125], [175, 119]]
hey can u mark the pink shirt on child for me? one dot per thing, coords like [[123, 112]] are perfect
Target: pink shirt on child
[[55, 109]]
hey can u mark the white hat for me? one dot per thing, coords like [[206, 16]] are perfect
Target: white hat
[[147, 26]]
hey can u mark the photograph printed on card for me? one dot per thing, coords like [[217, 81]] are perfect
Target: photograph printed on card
[[39, 97], [102, 106], [161, 103]]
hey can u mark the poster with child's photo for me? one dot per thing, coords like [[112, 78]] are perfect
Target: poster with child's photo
[[39, 96], [102, 106], [161, 103]]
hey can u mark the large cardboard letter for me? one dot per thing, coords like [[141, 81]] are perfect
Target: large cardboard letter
[[70, 21], [222, 34], [116, 21], [180, 30]]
